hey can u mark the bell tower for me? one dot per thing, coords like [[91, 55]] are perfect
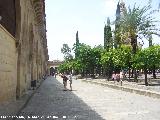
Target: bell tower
[[122, 7]]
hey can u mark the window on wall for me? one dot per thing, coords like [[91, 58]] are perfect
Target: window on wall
[[8, 15]]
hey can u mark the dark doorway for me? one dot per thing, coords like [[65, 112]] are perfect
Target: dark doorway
[[52, 71]]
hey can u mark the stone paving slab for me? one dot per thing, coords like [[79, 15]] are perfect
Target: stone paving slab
[[88, 102], [51, 102], [13, 108], [114, 104]]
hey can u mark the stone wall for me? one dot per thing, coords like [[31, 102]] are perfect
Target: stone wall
[[8, 66], [31, 48], [24, 57]]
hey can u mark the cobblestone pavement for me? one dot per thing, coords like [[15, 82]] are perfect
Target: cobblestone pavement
[[89, 102]]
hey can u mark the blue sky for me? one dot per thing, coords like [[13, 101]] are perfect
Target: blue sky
[[65, 17]]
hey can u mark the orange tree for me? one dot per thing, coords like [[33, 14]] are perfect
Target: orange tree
[[147, 59]]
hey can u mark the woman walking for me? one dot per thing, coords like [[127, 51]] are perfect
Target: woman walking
[[64, 81]]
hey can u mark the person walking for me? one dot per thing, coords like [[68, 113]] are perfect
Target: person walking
[[64, 81], [121, 77], [117, 77], [114, 77], [70, 81], [55, 75]]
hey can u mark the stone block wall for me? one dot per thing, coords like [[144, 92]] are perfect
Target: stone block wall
[[31, 55], [23, 57], [8, 66]]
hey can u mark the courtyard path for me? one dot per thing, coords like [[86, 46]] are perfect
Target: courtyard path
[[88, 102]]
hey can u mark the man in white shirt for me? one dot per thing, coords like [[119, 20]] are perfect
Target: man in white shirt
[[121, 77], [70, 80]]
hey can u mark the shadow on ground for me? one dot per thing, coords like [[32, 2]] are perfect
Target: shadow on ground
[[151, 84], [51, 101], [154, 84]]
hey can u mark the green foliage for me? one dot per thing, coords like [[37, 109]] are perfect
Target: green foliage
[[136, 22], [76, 65], [122, 56], [88, 58], [147, 58], [108, 43], [66, 50], [150, 39], [106, 57], [62, 68], [76, 45], [117, 37], [67, 66], [117, 58]]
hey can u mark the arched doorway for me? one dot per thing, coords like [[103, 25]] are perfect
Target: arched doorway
[[52, 71]]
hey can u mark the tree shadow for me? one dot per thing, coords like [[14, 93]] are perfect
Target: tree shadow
[[154, 84], [150, 84], [51, 100]]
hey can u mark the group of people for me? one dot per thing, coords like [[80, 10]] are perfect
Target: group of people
[[65, 79], [54, 74], [117, 77]]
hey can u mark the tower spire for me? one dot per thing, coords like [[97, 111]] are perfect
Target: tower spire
[[121, 1], [108, 21], [118, 11], [77, 45]]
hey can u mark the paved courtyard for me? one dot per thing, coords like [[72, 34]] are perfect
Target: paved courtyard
[[89, 102]]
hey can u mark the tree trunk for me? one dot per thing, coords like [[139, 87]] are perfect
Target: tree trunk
[[154, 72], [82, 74], [132, 74], [108, 74], [111, 71], [134, 50], [135, 76], [92, 73], [102, 71], [145, 73], [129, 74]]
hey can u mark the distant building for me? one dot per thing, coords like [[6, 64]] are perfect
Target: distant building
[[53, 65], [119, 13], [120, 9]]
